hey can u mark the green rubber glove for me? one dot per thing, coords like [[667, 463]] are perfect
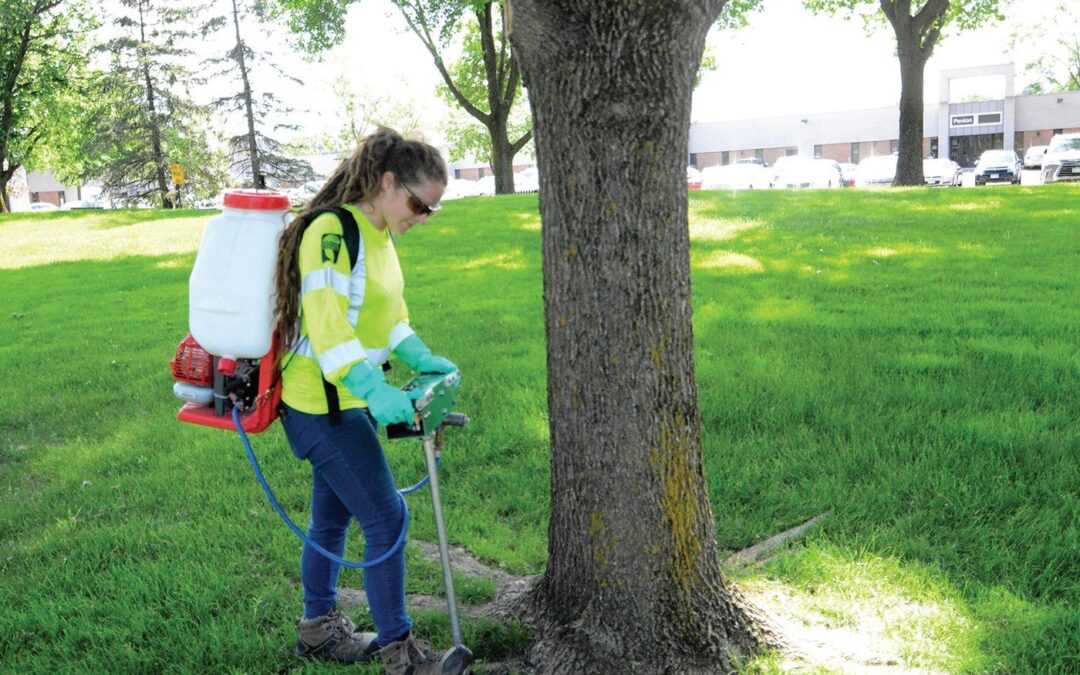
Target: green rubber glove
[[417, 356], [387, 404]]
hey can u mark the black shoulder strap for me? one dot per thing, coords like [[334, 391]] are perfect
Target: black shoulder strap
[[351, 234], [350, 230]]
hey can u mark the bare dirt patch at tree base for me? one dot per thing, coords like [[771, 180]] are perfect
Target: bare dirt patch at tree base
[[815, 637]]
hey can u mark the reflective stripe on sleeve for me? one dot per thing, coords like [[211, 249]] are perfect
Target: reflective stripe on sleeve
[[341, 355], [400, 333], [376, 356], [325, 277]]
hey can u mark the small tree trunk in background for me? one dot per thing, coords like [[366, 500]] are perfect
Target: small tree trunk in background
[[502, 158], [909, 169], [258, 181], [633, 583]]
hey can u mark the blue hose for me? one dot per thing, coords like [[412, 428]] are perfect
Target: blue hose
[[307, 540]]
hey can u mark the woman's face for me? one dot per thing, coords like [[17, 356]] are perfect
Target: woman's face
[[406, 205]]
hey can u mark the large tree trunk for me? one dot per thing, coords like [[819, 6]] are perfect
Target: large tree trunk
[[909, 169], [632, 583]]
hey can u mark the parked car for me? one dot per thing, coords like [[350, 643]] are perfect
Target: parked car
[[941, 171], [486, 185], [738, 176], [877, 171], [693, 178], [802, 172], [1033, 158], [43, 206], [998, 166], [83, 204], [527, 180], [1062, 158], [456, 188]]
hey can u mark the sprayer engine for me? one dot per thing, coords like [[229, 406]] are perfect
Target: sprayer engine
[[211, 387]]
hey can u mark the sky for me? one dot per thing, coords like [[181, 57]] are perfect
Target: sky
[[787, 61]]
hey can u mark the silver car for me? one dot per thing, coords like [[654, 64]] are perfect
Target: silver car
[[1062, 158], [941, 171]]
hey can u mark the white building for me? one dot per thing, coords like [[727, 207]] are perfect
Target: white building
[[960, 130]]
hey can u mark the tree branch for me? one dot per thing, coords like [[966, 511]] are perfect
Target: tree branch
[[927, 17], [424, 34], [517, 145]]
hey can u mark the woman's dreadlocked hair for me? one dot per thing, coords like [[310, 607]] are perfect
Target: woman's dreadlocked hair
[[355, 180]]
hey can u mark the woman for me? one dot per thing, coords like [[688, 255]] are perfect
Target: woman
[[340, 324]]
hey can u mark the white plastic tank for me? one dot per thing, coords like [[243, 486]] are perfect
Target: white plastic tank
[[231, 291]]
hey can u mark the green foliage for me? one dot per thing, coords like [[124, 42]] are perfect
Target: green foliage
[[42, 54], [139, 117], [904, 359], [938, 15], [736, 13], [1058, 66], [467, 136]]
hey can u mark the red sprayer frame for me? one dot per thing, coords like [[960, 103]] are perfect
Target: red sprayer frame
[[260, 416]]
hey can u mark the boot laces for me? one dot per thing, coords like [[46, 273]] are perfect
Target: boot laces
[[421, 650]]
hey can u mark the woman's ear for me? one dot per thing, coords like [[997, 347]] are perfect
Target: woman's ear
[[387, 182]]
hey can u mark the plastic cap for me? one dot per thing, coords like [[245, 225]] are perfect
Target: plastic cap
[[226, 366], [256, 200]]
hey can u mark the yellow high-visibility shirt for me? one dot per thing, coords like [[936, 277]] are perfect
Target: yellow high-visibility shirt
[[346, 315]]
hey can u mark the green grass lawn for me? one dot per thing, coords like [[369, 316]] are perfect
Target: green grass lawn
[[908, 361]]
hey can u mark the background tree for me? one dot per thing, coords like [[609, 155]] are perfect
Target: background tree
[[362, 113], [632, 582], [256, 157], [468, 136], [1057, 67], [41, 55], [144, 119], [918, 26], [320, 25]]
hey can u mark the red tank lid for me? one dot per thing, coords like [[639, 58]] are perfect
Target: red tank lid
[[256, 200]]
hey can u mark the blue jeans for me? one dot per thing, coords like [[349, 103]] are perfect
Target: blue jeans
[[350, 478]]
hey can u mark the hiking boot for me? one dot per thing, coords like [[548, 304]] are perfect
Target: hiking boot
[[333, 637], [412, 656]]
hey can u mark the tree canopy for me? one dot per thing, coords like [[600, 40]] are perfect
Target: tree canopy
[[42, 54]]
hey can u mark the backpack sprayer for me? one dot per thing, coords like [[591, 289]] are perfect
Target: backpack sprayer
[[226, 369]]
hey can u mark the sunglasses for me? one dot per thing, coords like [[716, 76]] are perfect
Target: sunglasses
[[417, 205]]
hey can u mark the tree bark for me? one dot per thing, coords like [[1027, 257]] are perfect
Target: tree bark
[[909, 169], [155, 125], [916, 36], [633, 582], [258, 181]]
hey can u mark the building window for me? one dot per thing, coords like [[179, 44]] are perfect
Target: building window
[[725, 158], [35, 197], [894, 146], [817, 152], [933, 147], [791, 151], [854, 155], [760, 154], [1057, 131], [693, 159]]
